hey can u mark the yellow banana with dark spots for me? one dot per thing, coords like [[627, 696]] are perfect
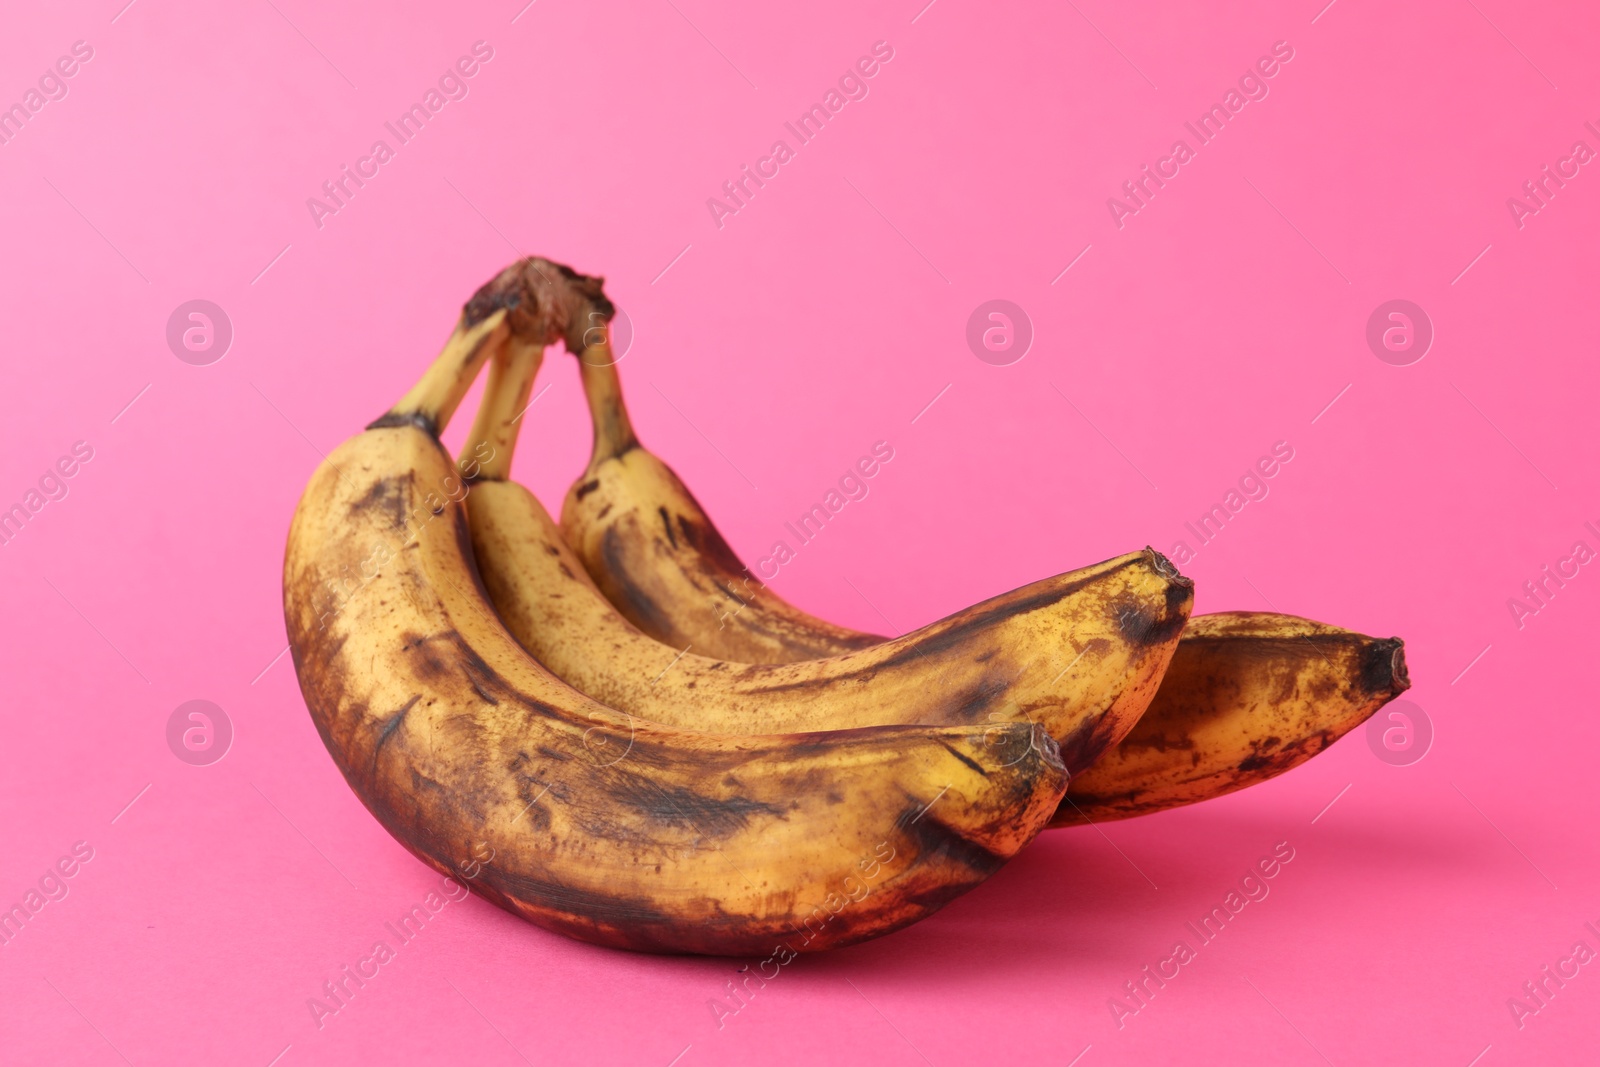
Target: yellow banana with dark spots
[[1251, 690], [1080, 653], [1249, 695], [657, 556], [602, 826]]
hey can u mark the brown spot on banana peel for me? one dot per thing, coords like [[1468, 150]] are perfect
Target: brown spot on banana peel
[[968, 760], [391, 495], [394, 419], [714, 548], [638, 604], [972, 704], [1144, 624], [689, 532], [391, 725], [934, 838], [1088, 742], [478, 687], [708, 815], [727, 591]]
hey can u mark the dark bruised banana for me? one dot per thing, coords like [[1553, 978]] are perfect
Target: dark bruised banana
[[1256, 693], [656, 555], [1080, 653], [1249, 695], [602, 826]]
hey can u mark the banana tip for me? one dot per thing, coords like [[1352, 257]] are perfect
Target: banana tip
[[1180, 589], [1397, 666], [1054, 768], [1385, 668], [1167, 569], [1046, 746]]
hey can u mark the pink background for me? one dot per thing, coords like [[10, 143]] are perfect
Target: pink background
[[826, 315]]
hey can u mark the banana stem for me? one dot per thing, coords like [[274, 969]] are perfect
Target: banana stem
[[435, 398], [613, 430], [493, 437]]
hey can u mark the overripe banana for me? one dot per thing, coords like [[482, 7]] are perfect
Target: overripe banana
[[1080, 653], [1249, 695], [601, 826], [656, 555]]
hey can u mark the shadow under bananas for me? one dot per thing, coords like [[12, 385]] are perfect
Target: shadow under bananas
[[1072, 917], [1075, 901]]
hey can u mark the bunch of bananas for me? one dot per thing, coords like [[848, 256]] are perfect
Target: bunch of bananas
[[658, 754]]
